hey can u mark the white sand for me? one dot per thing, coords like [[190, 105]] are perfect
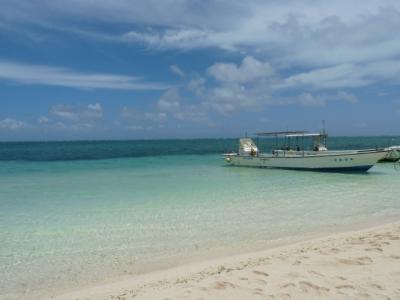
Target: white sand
[[353, 265]]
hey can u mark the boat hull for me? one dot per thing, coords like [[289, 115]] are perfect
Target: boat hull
[[329, 162]]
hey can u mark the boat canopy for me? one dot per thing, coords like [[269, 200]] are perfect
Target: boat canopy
[[280, 133], [292, 134]]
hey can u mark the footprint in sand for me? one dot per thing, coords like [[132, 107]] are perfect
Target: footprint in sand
[[341, 278], [293, 274], [258, 293], [260, 273], [345, 287], [288, 285], [334, 250], [296, 263], [315, 273], [357, 261], [306, 286], [258, 281], [222, 285], [377, 286], [374, 249], [356, 242], [280, 296]]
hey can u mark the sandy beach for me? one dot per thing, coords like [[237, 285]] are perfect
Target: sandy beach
[[353, 265]]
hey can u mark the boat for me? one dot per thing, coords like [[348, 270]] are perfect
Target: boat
[[393, 154], [293, 154]]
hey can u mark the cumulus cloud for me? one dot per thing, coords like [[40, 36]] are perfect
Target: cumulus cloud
[[129, 112], [86, 114], [250, 70], [228, 99], [65, 112], [308, 99], [93, 111], [172, 103], [318, 51], [135, 115], [43, 120], [252, 84], [170, 100], [12, 124], [55, 76], [197, 85], [240, 86], [347, 97], [336, 45]]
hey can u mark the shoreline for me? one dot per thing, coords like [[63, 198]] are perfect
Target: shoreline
[[312, 268]]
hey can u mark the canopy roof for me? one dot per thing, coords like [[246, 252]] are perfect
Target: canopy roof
[[291, 134]]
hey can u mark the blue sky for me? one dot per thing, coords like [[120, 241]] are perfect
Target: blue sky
[[193, 69]]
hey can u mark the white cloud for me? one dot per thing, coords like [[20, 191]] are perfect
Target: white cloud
[[43, 120], [129, 112], [318, 100], [84, 115], [169, 101], [135, 127], [302, 32], [132, 114], [172, 104], [159, 117], [93, 111], [228, 99], [336, 45], [12, 124], [240, 87], [347, 97], [346, 76], [60, 125], [169, 38], [65, 112], [253, 84], [175, 69], [307, 99], [250, 70], [55, 76], [197, 85]]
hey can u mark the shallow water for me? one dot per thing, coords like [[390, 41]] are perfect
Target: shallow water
[[68, 223]]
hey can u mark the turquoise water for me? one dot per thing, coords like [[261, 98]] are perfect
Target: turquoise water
[[90, 212]]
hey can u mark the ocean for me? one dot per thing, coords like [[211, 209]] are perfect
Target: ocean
[[74, 214]]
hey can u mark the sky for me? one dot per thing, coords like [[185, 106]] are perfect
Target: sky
[[84, 69]]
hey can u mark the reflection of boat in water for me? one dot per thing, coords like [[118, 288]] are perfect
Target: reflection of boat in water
[[316, 159], [393, 154]]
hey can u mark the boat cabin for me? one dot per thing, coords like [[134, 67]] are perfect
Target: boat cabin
[[295, 140]]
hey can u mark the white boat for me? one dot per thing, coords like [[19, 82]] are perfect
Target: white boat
[[393, 154], [317, 159]]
